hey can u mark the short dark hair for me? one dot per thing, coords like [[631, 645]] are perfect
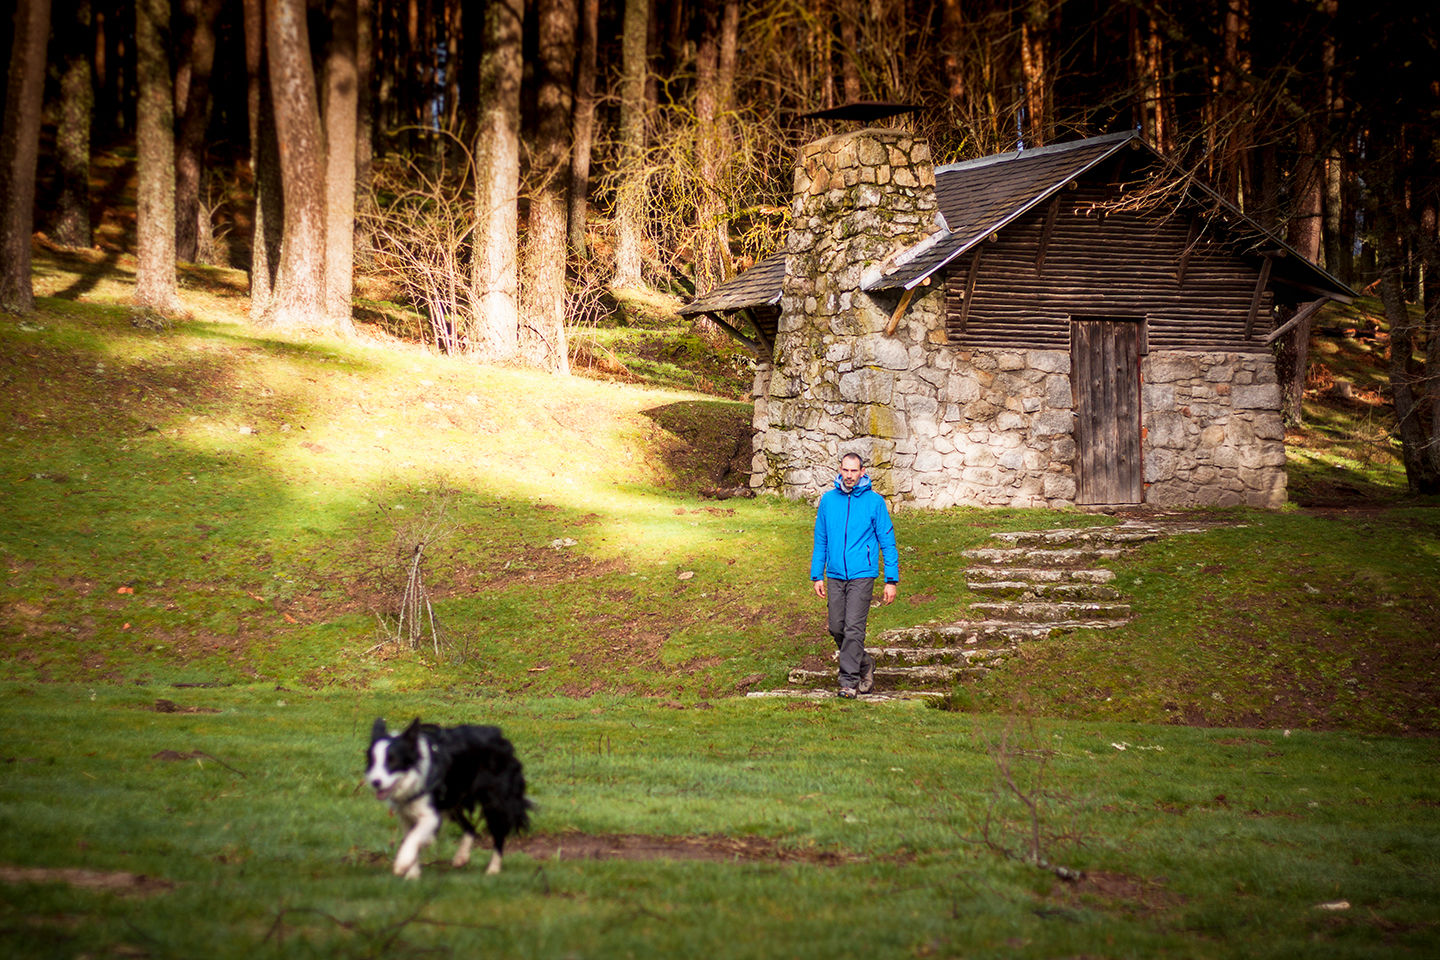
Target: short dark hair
[[854, 456]]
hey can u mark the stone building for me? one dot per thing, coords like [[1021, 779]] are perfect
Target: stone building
[[1068, 325]]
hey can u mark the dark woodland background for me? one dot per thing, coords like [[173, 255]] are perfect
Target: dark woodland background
[[509, 167]]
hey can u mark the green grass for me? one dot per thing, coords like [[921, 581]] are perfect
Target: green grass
[[1198, 843], [213, 504]]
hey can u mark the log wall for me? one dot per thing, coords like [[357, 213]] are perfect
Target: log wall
[[1121, 264]]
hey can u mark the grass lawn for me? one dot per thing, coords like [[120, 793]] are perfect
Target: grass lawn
[[206, 531], [889, 827]]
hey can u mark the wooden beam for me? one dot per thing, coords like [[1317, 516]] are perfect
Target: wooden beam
[[759, 333], [905, 299], [1045, 232], [751, 345], [1301, 315], [1192, 238], [1260, 284], [969, 287]]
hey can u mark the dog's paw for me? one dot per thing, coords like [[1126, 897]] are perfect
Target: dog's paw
[[460, 859], [494, 866], [410, 869], [413, 873]]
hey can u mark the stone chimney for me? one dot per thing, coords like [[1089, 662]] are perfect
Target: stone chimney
[[859, 197]]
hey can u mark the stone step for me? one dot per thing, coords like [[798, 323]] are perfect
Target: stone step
[[895, 657], [1078, 536], [1062, 557], [874, 696], [1111, 614], [983, 634], [1041, 574], [1055, 591], [891, 678]]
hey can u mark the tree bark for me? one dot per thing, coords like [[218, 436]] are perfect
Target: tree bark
[[584, 124], [495, 274], [268, 218], [1034, 38], [630, 195], [298, 301], [195, 118], [19, 147], [543, 334], [365, 106], [341, 113], [714, 81], [155, 285], [70, 226]]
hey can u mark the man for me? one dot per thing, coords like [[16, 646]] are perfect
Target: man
[[852, 525]]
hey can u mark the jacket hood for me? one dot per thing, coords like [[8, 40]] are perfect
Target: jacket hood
[[860, 487]]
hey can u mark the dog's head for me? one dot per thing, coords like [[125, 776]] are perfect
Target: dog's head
[[399, 763]]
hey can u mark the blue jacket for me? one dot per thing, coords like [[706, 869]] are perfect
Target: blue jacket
[[848, 529]]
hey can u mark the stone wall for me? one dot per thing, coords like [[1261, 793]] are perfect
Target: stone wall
[[1214, 434]]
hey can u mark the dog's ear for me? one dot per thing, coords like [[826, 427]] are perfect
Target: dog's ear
[[412, 732], [378, 731]]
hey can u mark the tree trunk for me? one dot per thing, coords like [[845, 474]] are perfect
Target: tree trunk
[[298, 301], [341, 111], [630, 195], [714, 82], [850, 54], [195, 118], [543, 334], [584, 127], [268, 216], [1419, 447], [1034, 34], [19, 147], [952, 36], [70, 226], [365, 105], [495, 275], [155, 144]]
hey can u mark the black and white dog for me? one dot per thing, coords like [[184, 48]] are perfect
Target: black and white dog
[[428, 772]]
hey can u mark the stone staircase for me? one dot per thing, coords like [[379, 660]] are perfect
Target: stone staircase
[[1035, 584]]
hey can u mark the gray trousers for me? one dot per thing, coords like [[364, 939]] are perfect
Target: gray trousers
[[849, 607]]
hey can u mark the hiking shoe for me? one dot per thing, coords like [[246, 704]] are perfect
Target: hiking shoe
[[867, 675], [847, 693]]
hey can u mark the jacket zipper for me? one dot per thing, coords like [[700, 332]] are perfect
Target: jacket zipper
[[845, 539]]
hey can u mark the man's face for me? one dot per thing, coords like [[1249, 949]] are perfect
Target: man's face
[[850, 473]]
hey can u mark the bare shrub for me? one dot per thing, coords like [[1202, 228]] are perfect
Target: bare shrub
[[417, 226]]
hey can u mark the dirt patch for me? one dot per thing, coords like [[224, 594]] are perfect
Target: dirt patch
[[108, 881], [170, 706], [1138, 896], [634, 846]]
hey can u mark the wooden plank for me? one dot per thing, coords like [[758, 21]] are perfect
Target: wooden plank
[[905, 299], [969, 294], [1045, 232], [753, 346], [1301, 315], [1260, 284], [1192, 236]]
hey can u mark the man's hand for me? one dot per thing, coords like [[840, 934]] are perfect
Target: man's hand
[[891, 589], [820, 588]]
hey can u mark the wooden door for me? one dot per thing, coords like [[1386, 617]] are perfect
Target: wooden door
[[1105, 375]]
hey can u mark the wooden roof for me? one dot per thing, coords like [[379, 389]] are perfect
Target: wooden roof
[[979, 197], [757, 287]]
